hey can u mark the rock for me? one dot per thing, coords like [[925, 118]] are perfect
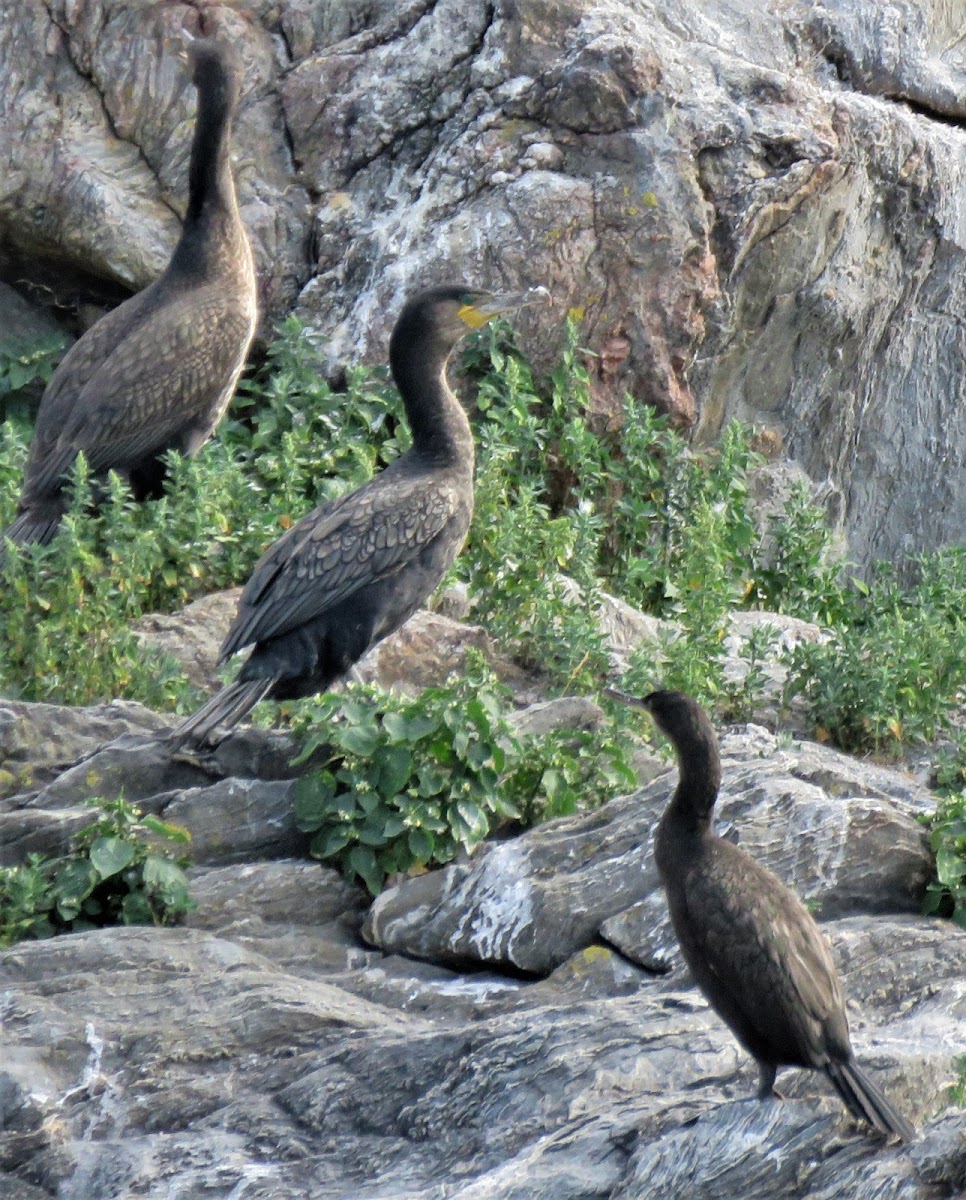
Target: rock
[[423, 653], [37, 741], [205, 1064], [430, 648], [623, 627], [750, 205], [22, 326], [264, 1046], [844, 834], [192, 636], [106, 197], [782, 634], [566, 712]]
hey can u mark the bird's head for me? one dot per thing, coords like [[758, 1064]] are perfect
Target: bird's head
[[442, 315], [682, 720], [215, 66]]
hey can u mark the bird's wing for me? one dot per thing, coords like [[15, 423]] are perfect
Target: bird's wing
[[162, 375], [359, 539], [752, 925], [77, 367]]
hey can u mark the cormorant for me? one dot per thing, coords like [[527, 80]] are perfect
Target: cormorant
[[157, 372], [352, 571], [754, 950]]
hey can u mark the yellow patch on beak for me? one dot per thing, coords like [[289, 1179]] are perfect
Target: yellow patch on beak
[[470, 315]]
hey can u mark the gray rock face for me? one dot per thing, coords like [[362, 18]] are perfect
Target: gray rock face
[[842, 833], [757, 207], [266, 1051]]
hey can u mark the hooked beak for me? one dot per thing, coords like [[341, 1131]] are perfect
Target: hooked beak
[[477, 315], [626, 698]]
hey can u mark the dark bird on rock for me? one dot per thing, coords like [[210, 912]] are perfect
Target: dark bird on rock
[[352, 571], [156, 373], [753, 948]]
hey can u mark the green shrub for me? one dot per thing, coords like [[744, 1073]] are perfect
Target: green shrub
[[113, 876], [24, 364], [65, 609], [894, 673], [412, 781], [946, 893]]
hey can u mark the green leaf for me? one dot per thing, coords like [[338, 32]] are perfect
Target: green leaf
[[474, 817], [372, 833], [950, 866], [72, 886], [330, 841], [362, 861], [421, 844], [357, 739], [395, 822], [396, 764], [503, 807], [162, 874], [110, 855], [313, 799], [136, 909]]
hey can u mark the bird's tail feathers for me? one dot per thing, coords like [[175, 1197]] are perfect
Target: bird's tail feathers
[[226, 709], [864, 1100], [36, 525]]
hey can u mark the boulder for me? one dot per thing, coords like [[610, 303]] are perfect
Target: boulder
[[843, 833], [754, 208]]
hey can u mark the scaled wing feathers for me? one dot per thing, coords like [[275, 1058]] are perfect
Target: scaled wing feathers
[[335, 550]]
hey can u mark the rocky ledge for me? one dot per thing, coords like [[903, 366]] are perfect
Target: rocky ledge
[[515, 1025]]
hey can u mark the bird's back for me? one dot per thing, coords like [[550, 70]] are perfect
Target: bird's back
[[758, 955], [394, 537]]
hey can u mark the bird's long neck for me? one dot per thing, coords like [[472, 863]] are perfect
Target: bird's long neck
[[686, 824], [212, 223], [440, 428]]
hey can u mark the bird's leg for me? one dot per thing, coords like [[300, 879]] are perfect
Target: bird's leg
[[766, 1087]]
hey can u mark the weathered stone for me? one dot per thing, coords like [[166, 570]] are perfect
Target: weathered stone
[[428, 649], [192, 636], [844, 834], [106, 196], [282, 892], [37, 741], [236, 819], [742, 201], [623, 627], [566, 712], [204, 1065], [423, 653]]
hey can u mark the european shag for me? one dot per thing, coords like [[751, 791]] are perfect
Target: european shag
[[352, 571], [753, 948], [157, 372]]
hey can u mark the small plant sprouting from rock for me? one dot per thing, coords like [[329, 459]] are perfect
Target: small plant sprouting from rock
[[114, 875], [410, 782], [23, 363], [946, 894], [957, 1092]]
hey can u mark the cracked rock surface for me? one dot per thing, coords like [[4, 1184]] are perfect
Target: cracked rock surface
[[515, 1025], [756, 207]]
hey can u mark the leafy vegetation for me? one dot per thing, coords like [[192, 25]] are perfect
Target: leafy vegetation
[[411, 781], [946, 894], [569, 502], [26, 366], [115, 874], [66, 609]]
